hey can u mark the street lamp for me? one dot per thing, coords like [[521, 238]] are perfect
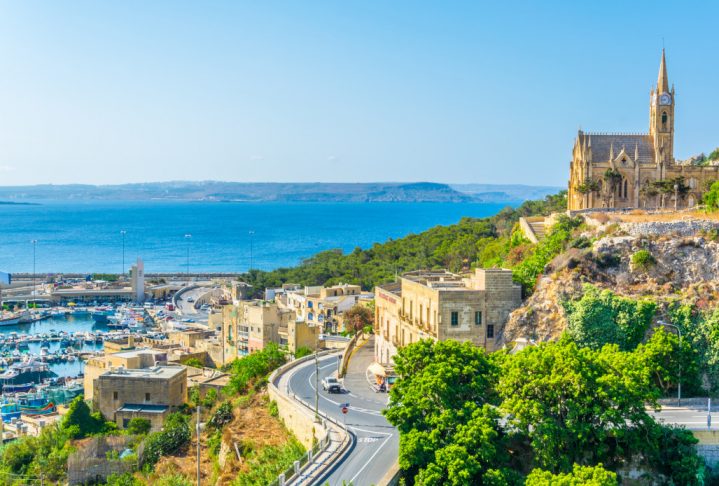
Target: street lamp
[[679, 332], [34, 246], [123, 232], [317, 386], [252, 234], [188, 237]]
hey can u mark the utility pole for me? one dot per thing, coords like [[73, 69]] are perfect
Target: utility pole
[[188, 237], [198, 444], [252, 234], [34, 246], [122, 232]]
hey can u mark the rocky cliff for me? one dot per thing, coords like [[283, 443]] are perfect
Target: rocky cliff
[[682, 264]]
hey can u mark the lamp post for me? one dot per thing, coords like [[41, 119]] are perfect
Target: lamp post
[[198, 444], [34, 247], [676, 196], [122, 233], [252, 234], [188, 237], [679, 332]]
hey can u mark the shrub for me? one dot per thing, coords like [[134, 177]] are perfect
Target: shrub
[[274, 411], [711, 197], [302, 351], [174, 434], [139, 426], [580, 475], [194, 362], [643, 260], [222, 416]]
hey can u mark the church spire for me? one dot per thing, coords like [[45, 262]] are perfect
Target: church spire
[[663, 80]]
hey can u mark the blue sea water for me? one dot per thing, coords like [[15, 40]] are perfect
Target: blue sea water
[[85, 236]]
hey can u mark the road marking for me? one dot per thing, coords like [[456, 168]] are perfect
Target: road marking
[[370, 459], [356, 409], [369, 431]]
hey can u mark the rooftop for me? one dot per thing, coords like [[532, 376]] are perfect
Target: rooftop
[[156, 372]]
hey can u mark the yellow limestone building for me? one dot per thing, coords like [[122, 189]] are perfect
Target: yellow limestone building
[[620, 170]]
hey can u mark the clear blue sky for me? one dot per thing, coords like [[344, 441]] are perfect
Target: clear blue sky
[[126, 91]]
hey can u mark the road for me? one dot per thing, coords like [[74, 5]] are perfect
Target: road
[[691, 417], [187, 309], [377, 444]]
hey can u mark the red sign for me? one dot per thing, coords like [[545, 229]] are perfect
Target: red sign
[[345, 410]]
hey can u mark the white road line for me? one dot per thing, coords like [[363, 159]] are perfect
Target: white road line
[[370, 459], [369, 431], [355, 409]]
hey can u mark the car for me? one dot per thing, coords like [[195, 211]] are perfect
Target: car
[[331, 385], [190, 299]]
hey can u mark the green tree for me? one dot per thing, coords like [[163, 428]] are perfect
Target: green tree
[[576, 405], [601, 317], [82, 422], [139, 426], [580, 476], [711, 197], [254, 368], [125, 479], [440, 397]]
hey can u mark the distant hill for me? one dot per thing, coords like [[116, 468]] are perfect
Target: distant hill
[[276, 191]]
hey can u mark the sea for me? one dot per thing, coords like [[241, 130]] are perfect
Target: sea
[[86, 237]]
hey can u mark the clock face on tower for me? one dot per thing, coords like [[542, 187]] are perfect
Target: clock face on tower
[[665, 99]]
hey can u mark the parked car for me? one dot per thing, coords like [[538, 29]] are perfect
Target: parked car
[[331, 385], [190, 299]]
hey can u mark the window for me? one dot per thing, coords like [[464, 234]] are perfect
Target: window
[[454, 318], [625, 188], [478, 318], [114, 395], [147, 397], [125, 423], [309, 304], [490, 331], [664, 119], [310, 316]]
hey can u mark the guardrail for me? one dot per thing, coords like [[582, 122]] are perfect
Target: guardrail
[[346, 356], [295, 471]]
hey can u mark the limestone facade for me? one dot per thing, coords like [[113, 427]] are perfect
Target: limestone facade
[[441, 305], [617, 170]]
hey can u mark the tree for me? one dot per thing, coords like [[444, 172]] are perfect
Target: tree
[[439, 402], [580, 476], [711, 197], [612, 178], [588, 187], [669, 362], [139, 426], [254, 368], [601, 317], [358, 317], [82, 422], [576, 405]]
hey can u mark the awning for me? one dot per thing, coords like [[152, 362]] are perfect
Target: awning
[[377, 369]]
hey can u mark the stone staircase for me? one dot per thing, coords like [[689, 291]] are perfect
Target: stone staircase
[[533, 228]]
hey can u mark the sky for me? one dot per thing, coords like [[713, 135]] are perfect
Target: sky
[[343, 91]]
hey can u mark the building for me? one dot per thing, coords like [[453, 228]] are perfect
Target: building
[[299, 334], [620, 170], [122, 394], [441, 305], [128, 359], [321, 306], [137, 281], [250, 325]]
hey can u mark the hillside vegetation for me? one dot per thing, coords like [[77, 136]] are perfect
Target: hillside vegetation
[[472, 242]]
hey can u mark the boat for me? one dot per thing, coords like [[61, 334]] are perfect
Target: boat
[[101, 315], [9, 320], [24, 387], [9, 411], [36, 405], [28, 371]]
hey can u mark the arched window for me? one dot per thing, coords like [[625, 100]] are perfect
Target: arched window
[[664, 119], [626, 186]]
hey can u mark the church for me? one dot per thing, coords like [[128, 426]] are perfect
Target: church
[[623, 170]]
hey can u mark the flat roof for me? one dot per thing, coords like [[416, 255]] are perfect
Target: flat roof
[[156, 372], [144, 408], [137, 352]]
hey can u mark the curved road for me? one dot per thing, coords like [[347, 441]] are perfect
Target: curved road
[[377, 444]]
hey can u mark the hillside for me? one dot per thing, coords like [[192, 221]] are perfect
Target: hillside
[[277, 192], [681, 267]]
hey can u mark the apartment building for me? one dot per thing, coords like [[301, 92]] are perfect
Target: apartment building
[[322, 306], [249, 326], [442, 305]]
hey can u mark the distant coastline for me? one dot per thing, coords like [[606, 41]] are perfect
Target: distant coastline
[[16, 203], [239, 192]]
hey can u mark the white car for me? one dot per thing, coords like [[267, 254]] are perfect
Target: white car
[[331, 385], [190, 299]]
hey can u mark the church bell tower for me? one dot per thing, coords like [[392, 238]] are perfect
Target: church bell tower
[[661, 117]]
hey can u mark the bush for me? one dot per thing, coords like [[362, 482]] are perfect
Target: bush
[[222, 416], [126, 479], [139, 426], [174, 434], [643, 260], [194, 363], [254, 368], [274, 410], [303, 351], [711, 197], [580, 475]]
